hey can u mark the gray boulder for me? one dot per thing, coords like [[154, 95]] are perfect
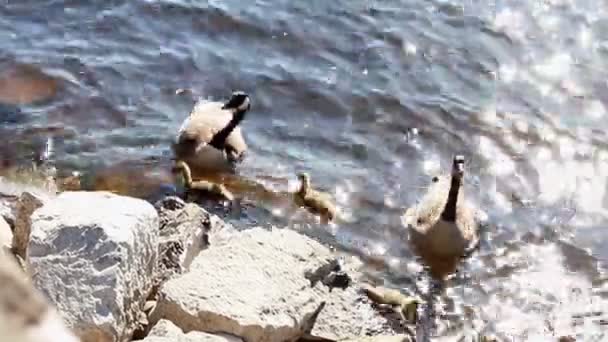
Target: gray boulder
[[94, 254], [185, 230]]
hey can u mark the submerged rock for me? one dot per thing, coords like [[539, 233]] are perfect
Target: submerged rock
[[25, 315], [165, 331], [93, 254], [26, 84], [255, 285]]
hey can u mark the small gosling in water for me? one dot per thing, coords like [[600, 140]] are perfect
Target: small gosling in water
[[201, 186], [443, 224], [316, 202], [406, 306]]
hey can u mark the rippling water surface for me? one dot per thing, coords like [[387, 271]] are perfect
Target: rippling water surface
[[338, 89]]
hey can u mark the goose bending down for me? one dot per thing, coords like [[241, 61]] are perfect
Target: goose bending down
[[204, 187], [316, 202], [210, 139], [442, 224]]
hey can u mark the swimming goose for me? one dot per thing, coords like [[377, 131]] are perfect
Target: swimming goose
[[315, 201], [443, 224], [210, 139], [205, 187]]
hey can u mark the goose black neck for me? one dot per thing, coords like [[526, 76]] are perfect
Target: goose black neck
[[219, 139], [304, 186], [449, 212]]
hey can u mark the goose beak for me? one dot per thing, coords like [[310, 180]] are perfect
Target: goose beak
[[458, 164]]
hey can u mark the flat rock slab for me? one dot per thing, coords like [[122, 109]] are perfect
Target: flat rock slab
[[93, 254], [252, 286], [165, 331], [255, 286], [349, 314]]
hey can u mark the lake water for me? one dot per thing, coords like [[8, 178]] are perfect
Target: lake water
[[339, 89]]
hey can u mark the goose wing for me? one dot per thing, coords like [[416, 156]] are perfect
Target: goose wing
[[432, 203]]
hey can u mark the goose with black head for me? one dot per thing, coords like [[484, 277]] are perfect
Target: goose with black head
[[210, 138], [443, 224]]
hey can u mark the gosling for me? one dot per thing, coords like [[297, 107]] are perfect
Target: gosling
[[406, 306], [210, 139], [205, 187], [314, 201], [443, 225]]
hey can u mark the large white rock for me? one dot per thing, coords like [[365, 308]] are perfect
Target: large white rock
[[257, 285], [165, 331], [93, 254], [25, 315]]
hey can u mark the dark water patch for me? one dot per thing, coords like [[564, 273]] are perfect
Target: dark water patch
[[86, 113], [11, 114]]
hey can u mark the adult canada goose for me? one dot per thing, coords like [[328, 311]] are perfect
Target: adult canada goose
[[210, 139], [315, 201], [442, 224], [203, 187]]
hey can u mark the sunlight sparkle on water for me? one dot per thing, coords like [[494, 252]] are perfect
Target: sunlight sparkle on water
[[431, 165], [527, 312], [507, 72], [594, 109], [555, 67], [409, 48], [510, 22], [501, 164]]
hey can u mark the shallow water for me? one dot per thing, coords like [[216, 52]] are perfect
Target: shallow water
[[518, 87]]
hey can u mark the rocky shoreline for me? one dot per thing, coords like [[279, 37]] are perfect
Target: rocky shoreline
[[117, 268]]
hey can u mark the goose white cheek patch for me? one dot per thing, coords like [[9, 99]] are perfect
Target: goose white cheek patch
[[244, 105]]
